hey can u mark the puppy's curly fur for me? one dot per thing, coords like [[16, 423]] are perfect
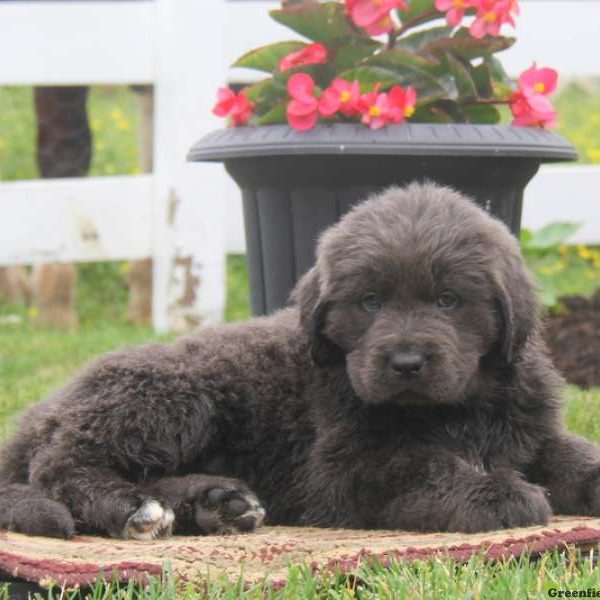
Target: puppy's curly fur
[[406, 387]]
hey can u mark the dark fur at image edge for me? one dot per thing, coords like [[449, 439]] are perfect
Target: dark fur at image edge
[[306, 410]]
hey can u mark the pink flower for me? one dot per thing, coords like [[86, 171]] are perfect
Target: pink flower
[[310, 55], [303, 108], [342, 96], [235, 106], [379, 109], [538, 81], [374, 15], [530, 110], [375, 109], [455, 9], [491, 15], [529, 104], [401, 103]]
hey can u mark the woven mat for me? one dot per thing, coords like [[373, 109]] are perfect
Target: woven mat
[[267, 553]]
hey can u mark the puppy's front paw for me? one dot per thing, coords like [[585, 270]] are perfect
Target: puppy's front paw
[[150, 521], [227, 509], [208, 504], [502, 500]]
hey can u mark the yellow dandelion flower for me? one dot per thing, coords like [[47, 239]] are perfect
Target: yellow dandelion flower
[[563, 249], [591, 274], [123, 125], [584, 252], [95, 124], [546, 270], [594, 153], [2, 144], [116, 114], [33, 312], [125, 268], [560, 265], [110, 168]]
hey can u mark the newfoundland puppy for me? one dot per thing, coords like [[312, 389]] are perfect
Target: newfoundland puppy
[[407, 386]]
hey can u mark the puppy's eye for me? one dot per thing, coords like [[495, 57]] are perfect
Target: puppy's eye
[[447, 300], [370, 303]]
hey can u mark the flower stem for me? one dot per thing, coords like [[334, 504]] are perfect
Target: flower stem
[[416, 20], [484, 101]]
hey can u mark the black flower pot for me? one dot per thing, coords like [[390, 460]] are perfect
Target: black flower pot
[[294, 185]]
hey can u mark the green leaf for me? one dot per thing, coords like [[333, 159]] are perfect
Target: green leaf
[[275, 116], [525, 236], [267, 90], [351, 54], [497, 71], [551, 236], [267, 58], [431, 114], [424, 75], [438, 110], [462, 77], [466, 47], [321, 73], [548, 296], [482, 77], [398, 58], [326, 23], [369, 76], [415, 41], [485, 114]]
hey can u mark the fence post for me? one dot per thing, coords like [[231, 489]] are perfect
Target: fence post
[[189, 232]]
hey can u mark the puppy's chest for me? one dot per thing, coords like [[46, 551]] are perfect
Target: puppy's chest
[[490, 440]]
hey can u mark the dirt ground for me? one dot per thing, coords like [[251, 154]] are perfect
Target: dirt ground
[[574, 340]]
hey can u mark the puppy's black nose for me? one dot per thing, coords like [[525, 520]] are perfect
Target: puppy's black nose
[[407, 364]]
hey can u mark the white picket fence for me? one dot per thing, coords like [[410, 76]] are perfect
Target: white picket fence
[[192, 211]]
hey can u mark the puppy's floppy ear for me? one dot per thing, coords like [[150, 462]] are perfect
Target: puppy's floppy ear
[[516, 303], [313, 314]]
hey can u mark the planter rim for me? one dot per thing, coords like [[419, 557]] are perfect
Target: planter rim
[[414, 139]]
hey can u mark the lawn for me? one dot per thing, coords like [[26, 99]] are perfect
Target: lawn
[[34, 361], [114, 121]]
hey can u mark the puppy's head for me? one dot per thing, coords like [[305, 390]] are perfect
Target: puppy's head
[[415, 289]]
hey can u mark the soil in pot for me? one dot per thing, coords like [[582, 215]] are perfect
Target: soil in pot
[[574, 340]]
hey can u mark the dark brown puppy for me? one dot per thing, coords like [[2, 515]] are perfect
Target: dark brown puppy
[[407, 387]]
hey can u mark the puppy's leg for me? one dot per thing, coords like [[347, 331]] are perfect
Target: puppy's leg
[[569, 467], [208, 504], [427, 489], [29, 511], [100, 500], [458, 497]]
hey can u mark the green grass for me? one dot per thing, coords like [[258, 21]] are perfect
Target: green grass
[[423, 580], [578, 106], [238, 305], [35, 361], [565, 271], [114, 120]]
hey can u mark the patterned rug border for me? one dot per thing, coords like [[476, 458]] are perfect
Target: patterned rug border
[[535, 544], [47, 571]]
